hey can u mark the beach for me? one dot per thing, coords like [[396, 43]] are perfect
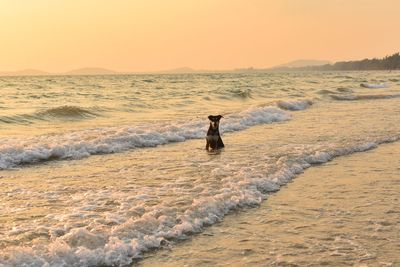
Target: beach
[[102, 170], [342, 213]]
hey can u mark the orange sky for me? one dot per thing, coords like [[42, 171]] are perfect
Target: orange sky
[[145, 35]]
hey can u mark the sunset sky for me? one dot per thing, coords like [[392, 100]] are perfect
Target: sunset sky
[[147, 35]]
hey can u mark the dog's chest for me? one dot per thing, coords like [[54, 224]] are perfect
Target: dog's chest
[[212, 138]]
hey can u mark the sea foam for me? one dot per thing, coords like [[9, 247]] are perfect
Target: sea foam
[[373, 86], [80, 144], [353, 97], [295, 105], [128, 240]]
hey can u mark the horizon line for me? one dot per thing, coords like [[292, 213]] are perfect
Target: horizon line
[[177, 70]]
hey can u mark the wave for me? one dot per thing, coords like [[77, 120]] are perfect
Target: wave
[[373, 86], [344, 90], [295, 105], [56, 113], [325, 92], [363, 97], [241, 93], [17, 119], [66, 112], [343, 76], [129, 238], [149, 80], [76, 145]]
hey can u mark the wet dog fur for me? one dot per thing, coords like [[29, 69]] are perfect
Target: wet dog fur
[[213, 138]]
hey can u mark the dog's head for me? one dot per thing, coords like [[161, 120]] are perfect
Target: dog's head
[[214, 121]]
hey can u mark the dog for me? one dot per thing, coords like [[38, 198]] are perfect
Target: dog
[[213, 138]]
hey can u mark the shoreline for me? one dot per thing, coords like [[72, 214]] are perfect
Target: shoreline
[[341, 213], [111, 208]]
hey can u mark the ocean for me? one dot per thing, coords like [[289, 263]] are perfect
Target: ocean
[[100, 170]]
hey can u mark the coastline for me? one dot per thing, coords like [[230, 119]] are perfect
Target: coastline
[[104, 190], [342, 213]]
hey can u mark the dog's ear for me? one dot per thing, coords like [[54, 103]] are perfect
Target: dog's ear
[[219, 117], [210, 117]]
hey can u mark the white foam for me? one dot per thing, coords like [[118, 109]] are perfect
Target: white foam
[[76, 145], [118, 245], [295, 105], [373, 86], [364, 97]]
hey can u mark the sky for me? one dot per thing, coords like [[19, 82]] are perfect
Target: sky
[[151, 35]]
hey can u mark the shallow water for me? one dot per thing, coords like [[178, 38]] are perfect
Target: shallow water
[[89, 190], [344, 213]]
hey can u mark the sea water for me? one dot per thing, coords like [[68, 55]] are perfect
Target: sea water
[[97, 170], [342, 213]]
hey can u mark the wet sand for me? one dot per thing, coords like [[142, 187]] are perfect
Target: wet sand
[[343, 213]]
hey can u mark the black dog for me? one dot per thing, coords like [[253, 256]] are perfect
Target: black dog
[[213, 138]]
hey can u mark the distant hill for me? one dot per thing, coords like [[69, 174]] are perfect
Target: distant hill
[[26, 72], [391, 62], [302, 63], [90, 71], [82, 71]]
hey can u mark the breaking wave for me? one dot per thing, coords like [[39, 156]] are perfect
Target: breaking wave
[[295, 105], [76, 145], [127, 239], [373, 86], [364, 97]]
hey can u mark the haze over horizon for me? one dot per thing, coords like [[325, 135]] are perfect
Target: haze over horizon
[[140, 36]]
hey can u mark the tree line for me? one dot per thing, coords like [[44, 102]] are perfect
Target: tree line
[[391, 62]]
